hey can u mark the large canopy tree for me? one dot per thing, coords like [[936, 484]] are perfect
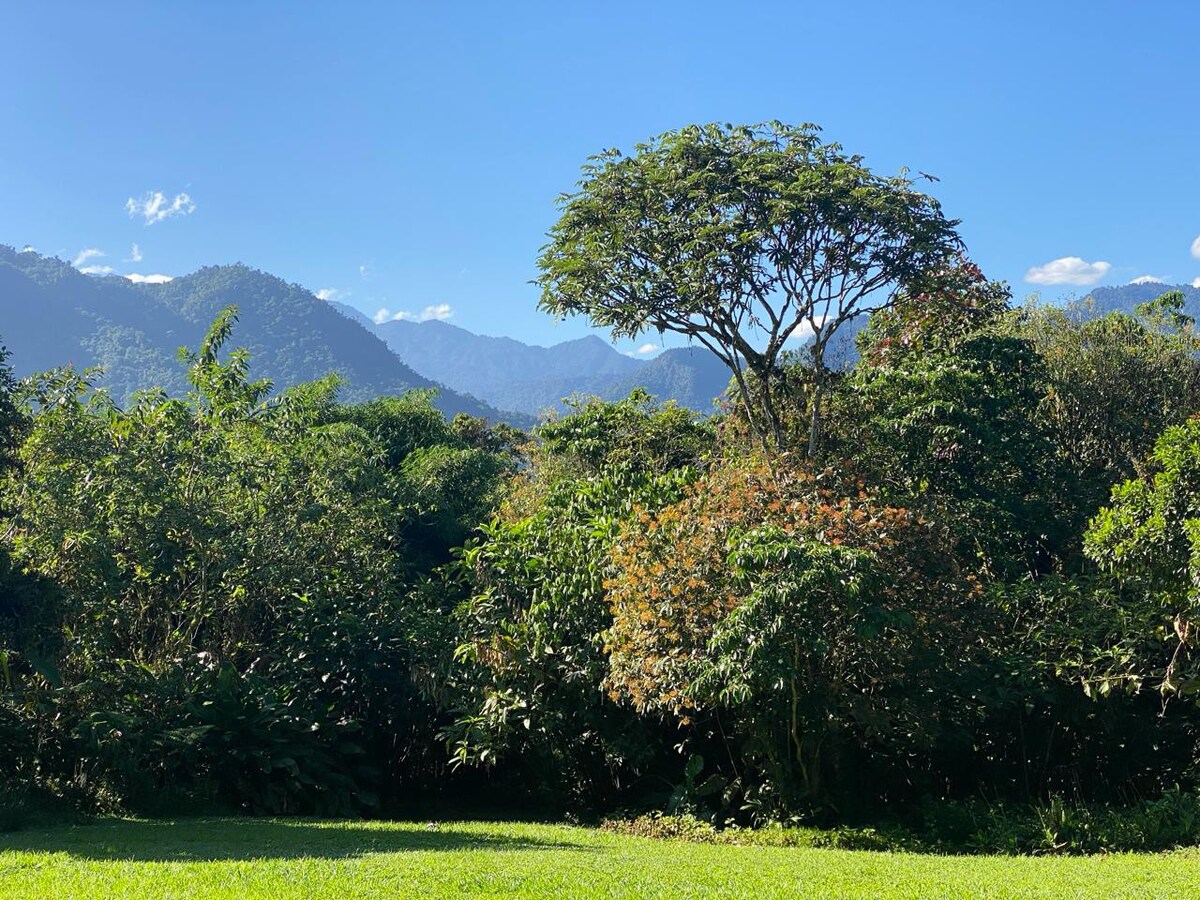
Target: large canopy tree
[[740, 237]]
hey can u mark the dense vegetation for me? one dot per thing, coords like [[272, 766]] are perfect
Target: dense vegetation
[[950, 589]]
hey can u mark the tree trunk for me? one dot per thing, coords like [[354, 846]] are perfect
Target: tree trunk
[[814, 425]]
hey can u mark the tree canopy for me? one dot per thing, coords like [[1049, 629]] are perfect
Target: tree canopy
[[741, 238]]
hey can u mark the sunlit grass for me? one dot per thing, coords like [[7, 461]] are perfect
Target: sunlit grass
[[244, 858]]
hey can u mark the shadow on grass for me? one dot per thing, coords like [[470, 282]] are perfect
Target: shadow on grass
[[212, 840]]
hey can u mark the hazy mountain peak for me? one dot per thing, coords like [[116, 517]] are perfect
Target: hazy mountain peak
[[528, 378]]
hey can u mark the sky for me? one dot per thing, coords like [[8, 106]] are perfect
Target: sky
[[405, 158]]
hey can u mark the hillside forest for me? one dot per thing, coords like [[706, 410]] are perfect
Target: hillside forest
[[949, 586]]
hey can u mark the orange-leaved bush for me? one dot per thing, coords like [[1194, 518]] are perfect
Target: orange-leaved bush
[[812, 613]]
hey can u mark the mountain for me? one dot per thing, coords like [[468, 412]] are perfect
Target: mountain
[[1125, 297], [505, 372], [347, 310], [513, 375], [690, 375], [51, 315]]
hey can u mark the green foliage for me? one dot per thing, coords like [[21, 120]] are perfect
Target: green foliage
[[938, 411], [1149, 537], [201, 736], [735, 236], [531, 649], [1116, 383], [239, 617], [633, 435], [801, 621]]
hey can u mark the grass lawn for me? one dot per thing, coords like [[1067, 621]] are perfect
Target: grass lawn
[[245, 858]]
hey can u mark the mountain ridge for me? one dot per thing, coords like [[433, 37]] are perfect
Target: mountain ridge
[[55, 315], [532, 379]]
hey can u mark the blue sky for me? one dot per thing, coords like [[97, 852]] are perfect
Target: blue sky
[[408, 156]]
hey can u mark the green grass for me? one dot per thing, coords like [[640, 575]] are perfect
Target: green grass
[[279, 859]]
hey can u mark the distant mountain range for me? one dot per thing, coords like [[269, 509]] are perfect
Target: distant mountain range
[[52, 315], [529, 379], [1125, 297]]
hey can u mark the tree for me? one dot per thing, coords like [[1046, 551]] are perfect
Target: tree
[[740, 237], [21, 607], [938, 411], [811, 616], [530, 662], [1117, 382], [11, 421], [237, 614], [1149, 538]]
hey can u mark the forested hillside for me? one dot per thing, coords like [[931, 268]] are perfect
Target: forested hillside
[[53, 315], [1123, 298]]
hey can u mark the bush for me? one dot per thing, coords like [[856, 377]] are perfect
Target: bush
[[1056, 827], [690, 828], [202, 737]]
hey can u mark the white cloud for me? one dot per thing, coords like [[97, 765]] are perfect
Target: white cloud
[[643, 351], [83, 263], [1068, 270], [439, 311], [135, 254], [1147, 279], [367, 270], [331, 294], [804, 331], [87, 253], [154, 207], [1196, 247], [29, 248], [1196, 283], [149, 279]]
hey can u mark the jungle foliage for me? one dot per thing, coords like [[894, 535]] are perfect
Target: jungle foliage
[[977, 592]]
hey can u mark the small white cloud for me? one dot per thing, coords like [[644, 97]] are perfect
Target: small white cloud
[[440, 312], [1147, 279], [804, 331], [331, 294], [646, 349], [366, 271], [1196, 282], [29, 248], [154, 207], [1068, 270], [86, 254], [1196, 247], [135, 254], [149, 279], [83, 262]]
